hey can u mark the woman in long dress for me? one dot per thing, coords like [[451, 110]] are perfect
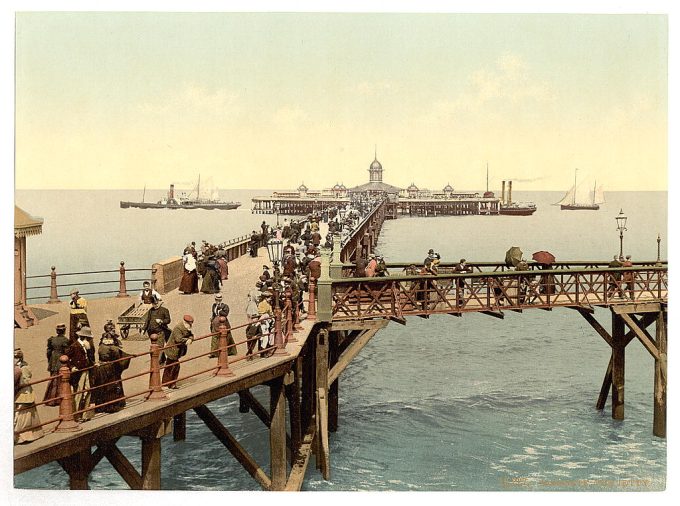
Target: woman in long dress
[[253, 299], [26, 420], [108, 375], [211, 280], [189, 282], [215, 340]]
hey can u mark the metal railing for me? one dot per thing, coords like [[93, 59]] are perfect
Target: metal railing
[[286, 324], [121, 280]]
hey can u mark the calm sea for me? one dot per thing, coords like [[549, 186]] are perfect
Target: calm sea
[[470, 403]]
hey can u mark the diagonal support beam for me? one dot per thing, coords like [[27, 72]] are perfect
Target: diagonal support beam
[[297, 474], [582, 309], [641, 335], [255, 405], [349, 354], [239, 453], [606, 386], [398, 319], [496, 314], [121, 464], [596, 325]]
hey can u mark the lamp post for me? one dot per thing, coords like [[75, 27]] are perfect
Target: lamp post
[[275, 251], [277, 208], [658, 249], [621, 226]]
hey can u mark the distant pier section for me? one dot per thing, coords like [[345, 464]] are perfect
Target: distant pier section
[[411, 201]]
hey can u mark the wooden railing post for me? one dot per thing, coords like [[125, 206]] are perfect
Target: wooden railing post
[[122, 290], [53, 287], [311, 309], [223, 353], [157, 393], [67, 423]]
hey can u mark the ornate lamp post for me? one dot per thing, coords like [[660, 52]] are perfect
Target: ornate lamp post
[[275, 251], [658, 249], [277, 208], [621, 226]]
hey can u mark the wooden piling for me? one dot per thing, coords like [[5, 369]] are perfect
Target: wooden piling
[[618, 366], [308, 378], [322, 457], [179, 427], [660, 376], [78, 468], [277, 434], [293, 397], [151, 462], [333, 388]]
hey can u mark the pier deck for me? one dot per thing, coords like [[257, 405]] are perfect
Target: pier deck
[[349, 312]]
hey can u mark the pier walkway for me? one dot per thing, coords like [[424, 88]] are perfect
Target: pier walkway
[[344, 314]]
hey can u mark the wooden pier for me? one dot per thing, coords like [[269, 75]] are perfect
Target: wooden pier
[[345, 313]]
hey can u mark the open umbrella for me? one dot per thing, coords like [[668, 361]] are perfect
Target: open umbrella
[[513, 256], [544, 257]]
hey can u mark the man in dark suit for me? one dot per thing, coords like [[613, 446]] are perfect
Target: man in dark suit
[[157, 321], [81, 359]]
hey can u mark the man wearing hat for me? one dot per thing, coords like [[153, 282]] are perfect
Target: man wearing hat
[[218, 306], [81, 359], [147, 294], [56, 347], [78, 309], [176, 349], [265, 273], [461, 268], [158, 321]]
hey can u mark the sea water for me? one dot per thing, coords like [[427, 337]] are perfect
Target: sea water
[[471, 403]]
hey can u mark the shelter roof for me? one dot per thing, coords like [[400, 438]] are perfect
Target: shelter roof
[[25, 224]]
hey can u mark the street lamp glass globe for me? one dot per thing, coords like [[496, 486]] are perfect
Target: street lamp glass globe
[[621, 221], [275, 250]]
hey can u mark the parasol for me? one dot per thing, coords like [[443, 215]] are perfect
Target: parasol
[[544, 257], [513, 256]]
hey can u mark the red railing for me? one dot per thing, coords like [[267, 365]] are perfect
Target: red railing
[[356, 298], [67, 419]]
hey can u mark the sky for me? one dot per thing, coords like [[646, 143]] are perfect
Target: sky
[[117, 100]]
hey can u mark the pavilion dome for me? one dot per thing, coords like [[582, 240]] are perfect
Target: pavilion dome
[[302, 188], [448, 188], [375, 165], [412, 188]]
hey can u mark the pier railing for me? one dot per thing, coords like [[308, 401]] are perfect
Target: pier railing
[[98, 282], [364, 237], [492, 292], [286, 324], [396, 268]]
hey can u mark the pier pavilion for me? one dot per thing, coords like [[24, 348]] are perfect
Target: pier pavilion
[[410, 201]]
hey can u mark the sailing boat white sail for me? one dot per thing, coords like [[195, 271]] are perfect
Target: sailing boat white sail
[[591, 203]]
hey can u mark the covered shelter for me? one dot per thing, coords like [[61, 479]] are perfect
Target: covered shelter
[[24, 225]]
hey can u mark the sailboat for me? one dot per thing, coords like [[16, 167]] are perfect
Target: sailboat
[[569, 202]]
